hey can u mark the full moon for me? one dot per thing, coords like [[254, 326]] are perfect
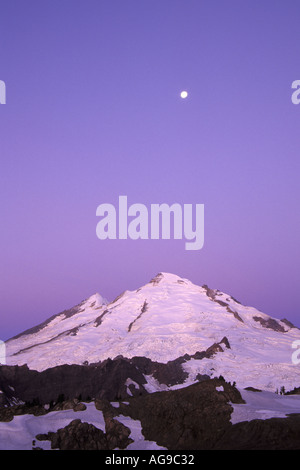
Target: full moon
[[184, 94]]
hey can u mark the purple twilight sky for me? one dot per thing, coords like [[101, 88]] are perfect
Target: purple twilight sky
[[93, 111]]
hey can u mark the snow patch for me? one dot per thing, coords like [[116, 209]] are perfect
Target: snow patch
[[20, 433], [264, 405], [140, 443]]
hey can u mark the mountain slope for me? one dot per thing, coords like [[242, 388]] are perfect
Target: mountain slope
[[163, 320]]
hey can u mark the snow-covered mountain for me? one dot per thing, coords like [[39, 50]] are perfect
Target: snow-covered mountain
[[163, 320]]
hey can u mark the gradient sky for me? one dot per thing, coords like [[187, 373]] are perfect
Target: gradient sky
[[93, 112]]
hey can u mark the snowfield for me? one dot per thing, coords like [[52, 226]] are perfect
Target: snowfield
[[19, 434], [264, 405]]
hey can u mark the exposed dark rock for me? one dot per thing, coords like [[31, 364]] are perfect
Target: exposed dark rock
[[104, 405], [156, 279], [270, 323], [170, 373], [198, 417], [6, 414], [79, 407], [225, 341], [235, 300], [189, 418], [73, 404], [117, 435], [103, 380], [295, 391], [42, 437], [198, 355], [143, 310], [193, 417], [202, 377], [288, 323], [78, 436], [99, 319], [220, 302], [258, 434], [4, 400], [213, 349], [235, 314], [211, 293]]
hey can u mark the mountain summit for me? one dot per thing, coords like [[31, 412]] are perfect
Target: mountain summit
[[167, 318]]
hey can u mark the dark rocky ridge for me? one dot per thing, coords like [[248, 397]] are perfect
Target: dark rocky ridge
[[105, 379], [193, 417], [78, 435], [211, 294], [196, 417], [269, 323], [102, 380]]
